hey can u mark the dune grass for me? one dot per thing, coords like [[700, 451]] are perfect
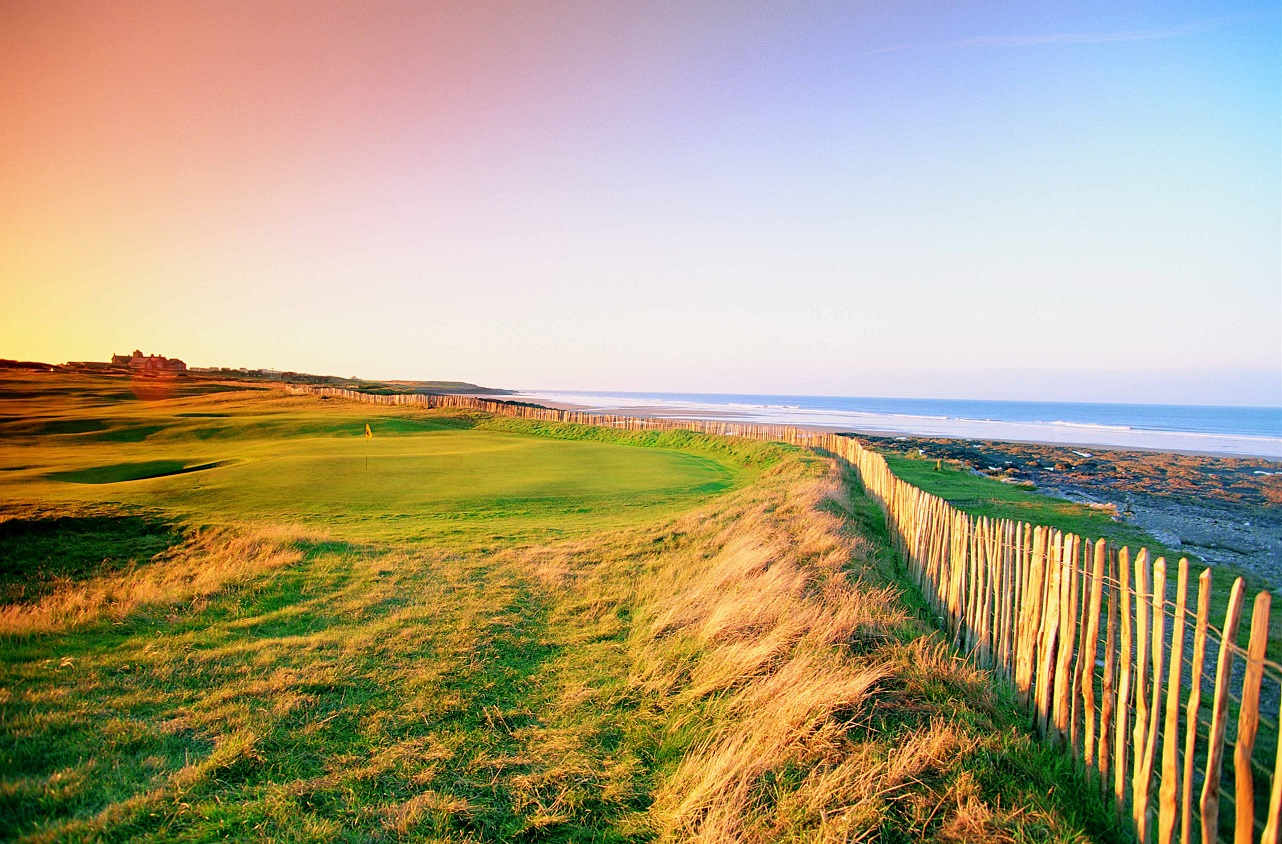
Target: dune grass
[[732, 661]]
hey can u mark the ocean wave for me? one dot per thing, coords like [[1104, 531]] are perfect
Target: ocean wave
[[1099, 425]]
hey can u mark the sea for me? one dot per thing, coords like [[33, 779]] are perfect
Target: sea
[[1195, 429]]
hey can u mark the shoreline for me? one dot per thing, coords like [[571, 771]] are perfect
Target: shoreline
[[662, 411]]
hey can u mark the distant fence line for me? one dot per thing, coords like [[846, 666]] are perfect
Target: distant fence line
[[1111, 659], [785, 433]]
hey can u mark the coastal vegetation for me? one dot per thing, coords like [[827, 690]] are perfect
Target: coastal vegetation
[[979, 495], [524, 631], [984, 496]]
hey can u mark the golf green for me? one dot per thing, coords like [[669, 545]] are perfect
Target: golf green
[[270, 458]]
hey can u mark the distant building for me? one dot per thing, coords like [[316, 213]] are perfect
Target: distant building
[[148, 363]]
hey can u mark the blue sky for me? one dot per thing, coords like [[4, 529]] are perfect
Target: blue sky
[[982, 200]]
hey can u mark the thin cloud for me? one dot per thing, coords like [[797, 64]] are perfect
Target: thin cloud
[[1074, 37]]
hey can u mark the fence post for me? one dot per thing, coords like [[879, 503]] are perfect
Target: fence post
[[1248, 722], [1120, 757], [1067, 635], [1219, 717], [1271, 828], [1195, 701], [1080, 603], [1009, 596], [1030, 621], [1110, 672], [1139, 782], [1087, 661], [1168, 808]]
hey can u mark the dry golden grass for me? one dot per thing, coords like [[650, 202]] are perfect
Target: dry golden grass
[[764, 640], [772, 634], [205, 563]]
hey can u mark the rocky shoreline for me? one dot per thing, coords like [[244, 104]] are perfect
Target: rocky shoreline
[[1222, 510]]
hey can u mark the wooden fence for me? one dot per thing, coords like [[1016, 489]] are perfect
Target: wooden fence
[[1106, 648], [1110, 655]]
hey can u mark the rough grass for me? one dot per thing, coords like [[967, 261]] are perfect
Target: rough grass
[[818, 708], [186, 574], [742, 673], [40, 552]]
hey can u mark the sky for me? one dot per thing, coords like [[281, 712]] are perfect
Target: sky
[[1001, 200]]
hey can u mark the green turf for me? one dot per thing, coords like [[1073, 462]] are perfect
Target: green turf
[[265, 457], [119, 472], [418, 484], [412, 654]]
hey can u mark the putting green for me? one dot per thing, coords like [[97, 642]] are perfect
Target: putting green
[[267, 458], [430, 476]]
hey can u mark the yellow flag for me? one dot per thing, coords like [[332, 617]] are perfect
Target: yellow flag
[[368, 432]]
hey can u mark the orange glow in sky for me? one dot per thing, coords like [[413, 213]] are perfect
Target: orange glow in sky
[[795, 198]]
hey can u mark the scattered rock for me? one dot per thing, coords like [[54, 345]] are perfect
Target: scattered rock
[[1223, 510]]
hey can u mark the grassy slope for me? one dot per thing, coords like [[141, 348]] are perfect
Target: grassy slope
[[717, 668]]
